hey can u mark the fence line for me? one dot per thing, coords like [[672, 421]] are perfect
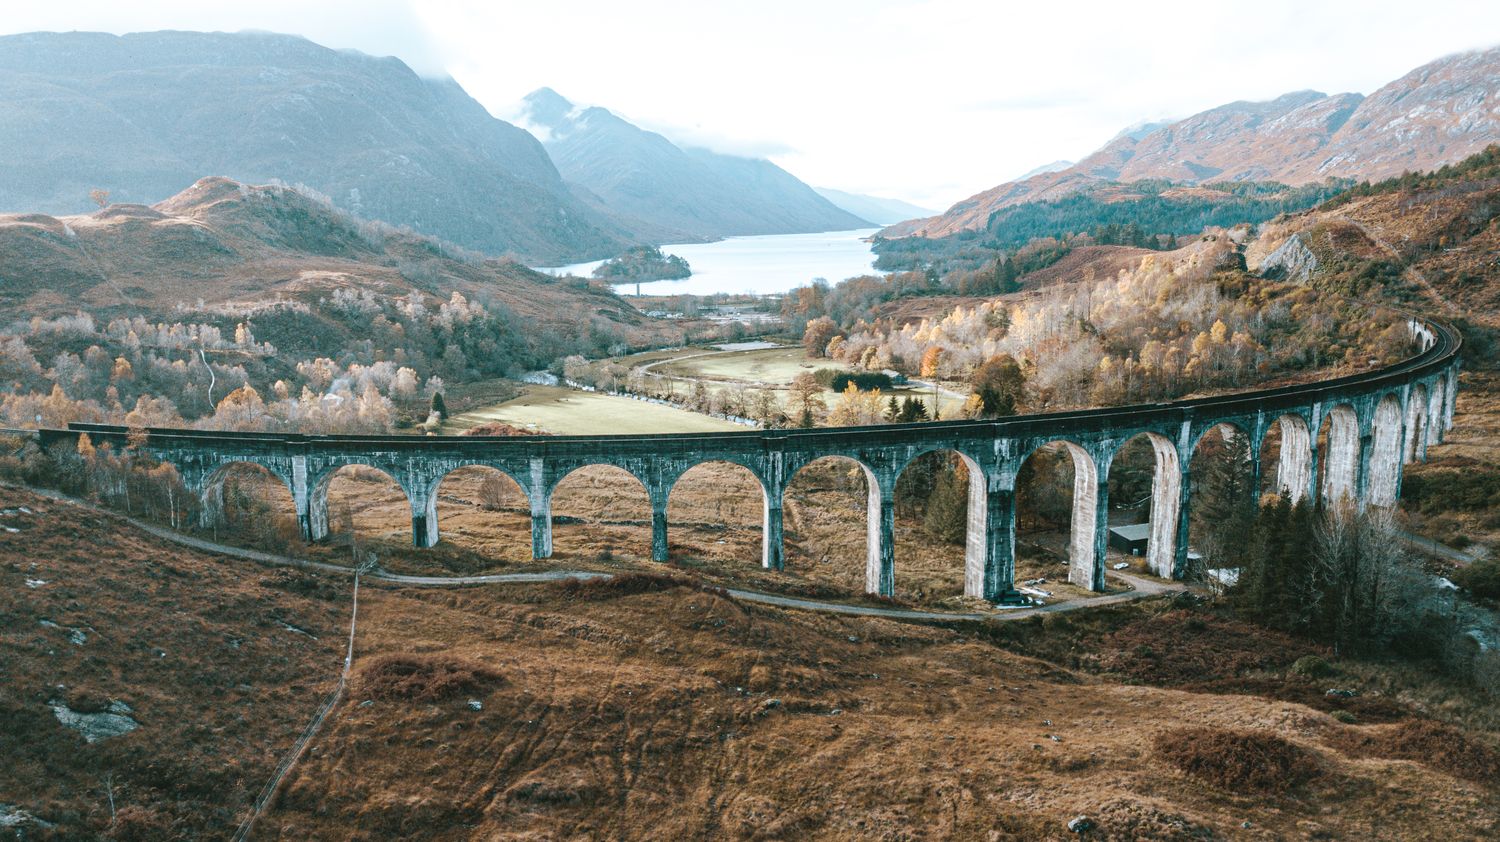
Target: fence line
[[273, 786]]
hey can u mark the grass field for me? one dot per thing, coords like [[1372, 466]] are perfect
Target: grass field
[[768, 366], [773, 368], [565, 412]]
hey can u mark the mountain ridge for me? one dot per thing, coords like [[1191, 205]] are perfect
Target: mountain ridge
[[643, 175], [145, 115], [1435, 114]]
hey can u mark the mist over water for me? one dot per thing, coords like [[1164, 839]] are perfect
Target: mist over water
[[761, 265]]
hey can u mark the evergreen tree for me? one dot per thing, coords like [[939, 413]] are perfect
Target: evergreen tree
[[947, 516], [893, 410], [439, 406], [1225, 505]]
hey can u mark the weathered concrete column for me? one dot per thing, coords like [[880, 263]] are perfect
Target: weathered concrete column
[[658, 528], [880, 540], [1101, 524], [300, 496], [772, 541], [317, 511], [1414, 441], [1450, 395], [976, 533], [1184, 522], [424, 526], [1090, 522], [199, 480], [1365, 469], [998, 583], [1314, 492], [540, 494]]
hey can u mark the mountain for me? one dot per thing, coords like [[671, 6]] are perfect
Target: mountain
[[699, 193], [1055, 166], [145, 115], [877, 209], [226, 244], [1439, 113]]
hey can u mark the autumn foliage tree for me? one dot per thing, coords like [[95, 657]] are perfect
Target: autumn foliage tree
[[817, 335]]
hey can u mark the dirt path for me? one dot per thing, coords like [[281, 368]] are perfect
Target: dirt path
[[1139, 587]]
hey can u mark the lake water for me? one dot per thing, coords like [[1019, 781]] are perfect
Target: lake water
[[760, 265]]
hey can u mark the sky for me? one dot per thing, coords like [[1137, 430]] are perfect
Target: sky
[[924, 100]]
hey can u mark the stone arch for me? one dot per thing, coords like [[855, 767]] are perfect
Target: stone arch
[[1385, 453], [1414, 444], [476, 482], [1292, 473], [976, 514], [879, 522], [606, 518], [1340, 461], [731, 487], [1165, 500], [318, 510], [211, 492], [1085, 560]]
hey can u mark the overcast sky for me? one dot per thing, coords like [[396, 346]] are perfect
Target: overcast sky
[[926, 101]]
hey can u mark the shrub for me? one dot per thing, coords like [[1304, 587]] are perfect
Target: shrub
[[1432, 744], [1237, 760], [423, 678], [1312, 666], [624, 584], [1345, 716], [139, 824], [1481, 578], [1184, 647]]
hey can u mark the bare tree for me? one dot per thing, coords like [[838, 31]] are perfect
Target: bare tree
[[1372, 591], [494, 493]]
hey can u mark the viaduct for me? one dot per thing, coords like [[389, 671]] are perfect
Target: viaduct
[[1376, 422]]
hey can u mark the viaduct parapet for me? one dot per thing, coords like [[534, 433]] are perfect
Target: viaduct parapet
[[1377, 422]]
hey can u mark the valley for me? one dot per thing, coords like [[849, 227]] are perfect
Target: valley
[[1151, 495]]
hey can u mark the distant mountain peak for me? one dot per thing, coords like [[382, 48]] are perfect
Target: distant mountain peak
[[546, 107], [678, 191]]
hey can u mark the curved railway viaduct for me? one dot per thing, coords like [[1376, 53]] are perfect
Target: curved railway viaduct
[[1377, 421]]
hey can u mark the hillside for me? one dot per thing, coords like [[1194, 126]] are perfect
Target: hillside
[[1439, 113], [168, 308], [701, 194], [1429, 242], [145, 115], [650, 708], [217, 665], [222, 242]]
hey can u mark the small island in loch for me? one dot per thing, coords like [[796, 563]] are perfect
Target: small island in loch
[[643, 263]]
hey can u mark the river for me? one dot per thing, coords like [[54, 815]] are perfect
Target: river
[[760, 265]]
